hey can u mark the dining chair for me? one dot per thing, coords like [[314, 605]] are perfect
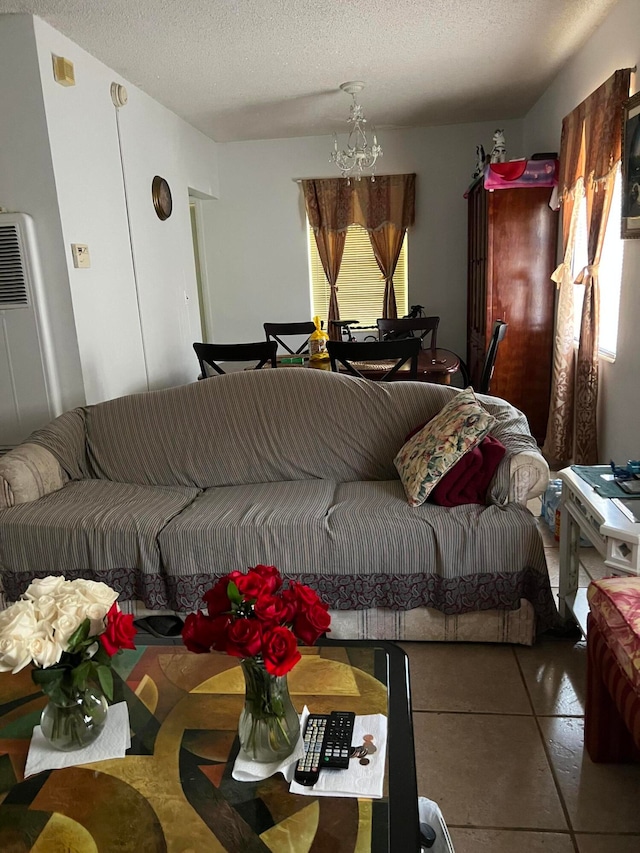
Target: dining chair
[[274, 330], [407, 327], [210, 354], [344, 328], [360, 357], [497, 336]]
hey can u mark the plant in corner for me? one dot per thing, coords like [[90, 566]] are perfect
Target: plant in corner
[[69, 631], [254, 617]]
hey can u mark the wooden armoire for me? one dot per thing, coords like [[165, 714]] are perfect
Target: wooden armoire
[[511, 255]]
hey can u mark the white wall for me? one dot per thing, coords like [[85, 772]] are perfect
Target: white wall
[[84, 150], [614, 45], [60, 162], [257, 254], [27, 185], [121, 349], [157, 142]]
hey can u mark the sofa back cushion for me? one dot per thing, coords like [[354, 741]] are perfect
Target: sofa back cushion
[[259, 427], [65, 437]]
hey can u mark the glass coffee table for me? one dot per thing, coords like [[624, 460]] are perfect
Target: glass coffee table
[[174, 791]]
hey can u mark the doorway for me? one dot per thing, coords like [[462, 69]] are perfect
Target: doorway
[[195, 213]]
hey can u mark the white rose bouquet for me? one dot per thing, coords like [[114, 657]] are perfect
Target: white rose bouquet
[[69, 631]]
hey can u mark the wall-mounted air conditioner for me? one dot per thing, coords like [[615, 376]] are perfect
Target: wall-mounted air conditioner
[[29, 386]]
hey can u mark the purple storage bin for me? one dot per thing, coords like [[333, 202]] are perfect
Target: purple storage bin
[[521, 173]]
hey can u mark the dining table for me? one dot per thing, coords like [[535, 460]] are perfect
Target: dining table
[[434, 365]]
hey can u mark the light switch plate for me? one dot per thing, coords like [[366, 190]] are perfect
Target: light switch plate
[[80, 254], [63, 71]]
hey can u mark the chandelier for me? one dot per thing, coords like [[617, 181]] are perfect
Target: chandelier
[[359, 156]]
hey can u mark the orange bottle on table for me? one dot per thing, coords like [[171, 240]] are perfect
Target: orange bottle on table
[[318, 342]]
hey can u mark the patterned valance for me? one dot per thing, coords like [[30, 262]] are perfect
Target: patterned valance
[[334, 203]]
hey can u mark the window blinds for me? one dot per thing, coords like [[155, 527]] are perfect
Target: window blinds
[[360, 282]]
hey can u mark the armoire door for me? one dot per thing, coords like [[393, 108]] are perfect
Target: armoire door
[[521, 237]]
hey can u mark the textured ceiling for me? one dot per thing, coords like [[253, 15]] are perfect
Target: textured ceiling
[[263, 69]]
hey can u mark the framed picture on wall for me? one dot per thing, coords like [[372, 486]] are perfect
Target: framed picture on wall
[[631, 168]]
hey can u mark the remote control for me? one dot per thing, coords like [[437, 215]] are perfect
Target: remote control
[[308, 768], [336, 750]]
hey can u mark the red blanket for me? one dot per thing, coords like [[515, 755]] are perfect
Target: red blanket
[[467, 482]]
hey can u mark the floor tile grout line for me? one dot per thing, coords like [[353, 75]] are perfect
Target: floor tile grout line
[[536, 829], [543, 831], [554, 776], [612, 834], [608, 834], [524, 681], [473, 713], [495, 713]]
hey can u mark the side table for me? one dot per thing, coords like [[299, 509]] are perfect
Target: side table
[[611, 532]]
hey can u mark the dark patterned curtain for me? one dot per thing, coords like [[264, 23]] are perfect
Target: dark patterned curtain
[[589, 156]]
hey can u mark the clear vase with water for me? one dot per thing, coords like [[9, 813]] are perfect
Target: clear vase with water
[[269, 725], [76, 719]]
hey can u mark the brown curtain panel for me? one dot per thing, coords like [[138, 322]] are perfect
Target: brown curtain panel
[[330, 208], [589, 155], [386, 208]]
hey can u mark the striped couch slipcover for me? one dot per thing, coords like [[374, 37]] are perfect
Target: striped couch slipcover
[[159, 493]]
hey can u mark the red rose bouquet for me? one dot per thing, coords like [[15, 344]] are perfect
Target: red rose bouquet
[[254, 617]]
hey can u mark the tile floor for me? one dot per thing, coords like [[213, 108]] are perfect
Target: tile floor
[[498, 734]]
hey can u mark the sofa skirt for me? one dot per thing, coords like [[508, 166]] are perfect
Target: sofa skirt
[[420, 623], [427, 623]]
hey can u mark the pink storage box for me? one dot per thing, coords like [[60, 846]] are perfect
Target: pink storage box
[[521, 173]]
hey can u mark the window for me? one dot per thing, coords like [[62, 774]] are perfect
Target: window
[[610, 272], [360, 282]]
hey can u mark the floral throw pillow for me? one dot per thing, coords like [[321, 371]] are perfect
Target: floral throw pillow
[[431, 452]]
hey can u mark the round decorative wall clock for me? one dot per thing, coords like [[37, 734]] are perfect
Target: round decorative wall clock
[[161, 194]]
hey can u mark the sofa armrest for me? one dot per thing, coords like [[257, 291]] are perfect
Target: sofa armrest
[[27, 473], [529, 476]]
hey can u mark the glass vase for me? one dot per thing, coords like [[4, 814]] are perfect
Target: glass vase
[[269, 725], [76, 720]]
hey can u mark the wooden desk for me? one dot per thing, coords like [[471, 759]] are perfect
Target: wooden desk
[[433, 366]]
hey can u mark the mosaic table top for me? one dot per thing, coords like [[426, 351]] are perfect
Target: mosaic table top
[[174, 791]]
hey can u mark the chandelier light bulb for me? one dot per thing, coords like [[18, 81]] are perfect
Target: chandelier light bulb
[[359, 156]]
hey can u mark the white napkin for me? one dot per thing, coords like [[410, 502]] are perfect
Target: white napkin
[[357, 780], [245, 769], [114, 741]]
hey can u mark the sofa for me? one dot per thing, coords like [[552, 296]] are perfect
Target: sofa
[[159, 493]]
